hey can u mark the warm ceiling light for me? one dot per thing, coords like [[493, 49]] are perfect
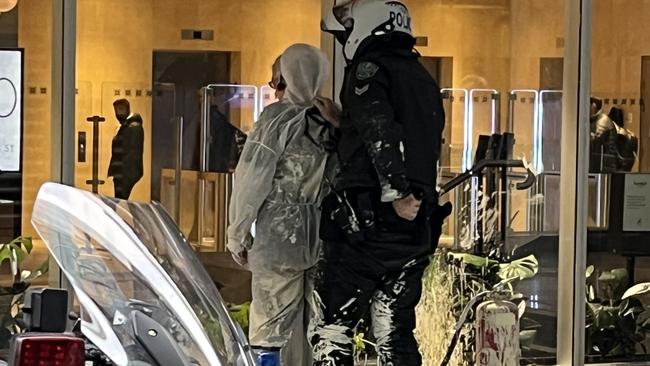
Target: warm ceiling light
[[6, 5]]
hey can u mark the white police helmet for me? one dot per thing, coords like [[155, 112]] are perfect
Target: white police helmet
[[355, 21]]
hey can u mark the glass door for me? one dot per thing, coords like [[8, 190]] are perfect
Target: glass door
[[228, 114], [498, 141], [617, 280]]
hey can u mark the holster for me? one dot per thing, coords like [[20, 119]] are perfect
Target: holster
[[437, 220], [336, 215]]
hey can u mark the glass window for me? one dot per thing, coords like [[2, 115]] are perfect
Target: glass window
[[619, 229], [26, 91], [186, 68], [500, 67], [179, 64]]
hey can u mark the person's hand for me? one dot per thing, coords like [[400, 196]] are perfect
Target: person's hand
[[241, 258], [407, 207], [329, 110]]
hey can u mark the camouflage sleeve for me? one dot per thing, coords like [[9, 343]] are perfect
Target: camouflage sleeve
[[371, 113]]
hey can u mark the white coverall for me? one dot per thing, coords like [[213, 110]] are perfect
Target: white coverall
[[279, 185]]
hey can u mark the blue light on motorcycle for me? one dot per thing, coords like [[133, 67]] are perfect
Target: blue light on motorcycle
[[267, 356]]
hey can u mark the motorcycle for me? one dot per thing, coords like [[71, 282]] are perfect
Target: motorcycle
[[145, 298]]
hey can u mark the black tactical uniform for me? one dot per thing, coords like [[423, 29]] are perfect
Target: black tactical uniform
[[388, 148], [126, 156]]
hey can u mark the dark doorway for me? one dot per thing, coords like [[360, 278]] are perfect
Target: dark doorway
[[9, 28], [10, 182], [644, 135], [442, 69], [178, 78]]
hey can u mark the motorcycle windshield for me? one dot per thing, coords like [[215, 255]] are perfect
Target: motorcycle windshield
[[130, 268]]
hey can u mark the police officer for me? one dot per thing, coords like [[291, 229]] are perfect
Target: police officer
[[377, 225]]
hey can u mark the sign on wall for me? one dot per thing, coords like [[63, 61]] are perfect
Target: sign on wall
[[11, 64], [636, 209]]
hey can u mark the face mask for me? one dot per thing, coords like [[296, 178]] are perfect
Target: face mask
[[121, 116], [343, 16], [342, 37]]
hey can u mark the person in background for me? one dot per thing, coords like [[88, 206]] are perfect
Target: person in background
[[627, 144], [278, 185], [603, 152], [126, 150]]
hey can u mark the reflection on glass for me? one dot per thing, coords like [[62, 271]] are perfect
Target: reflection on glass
[[128, 264], [616, 303], [489, 51], [496, 89], [27, 137]]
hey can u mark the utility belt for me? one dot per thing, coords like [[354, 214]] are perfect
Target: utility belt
[[355, 210]]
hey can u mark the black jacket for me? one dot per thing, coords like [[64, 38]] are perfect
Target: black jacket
[[126, 153], [391, 130]]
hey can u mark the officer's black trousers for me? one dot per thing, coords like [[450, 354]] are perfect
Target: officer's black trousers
[[380, 272]]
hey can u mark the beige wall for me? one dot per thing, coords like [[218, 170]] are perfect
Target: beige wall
[[501, 42], [34, 36], [621, 31], [496, 45], [116, 39]]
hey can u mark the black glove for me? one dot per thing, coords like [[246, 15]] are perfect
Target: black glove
[[437, 219]]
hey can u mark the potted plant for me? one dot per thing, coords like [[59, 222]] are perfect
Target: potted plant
[[12, 294], [452, 281], [617, 323]]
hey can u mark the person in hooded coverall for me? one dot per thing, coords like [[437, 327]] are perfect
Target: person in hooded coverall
[[382, 221], [278, 185]]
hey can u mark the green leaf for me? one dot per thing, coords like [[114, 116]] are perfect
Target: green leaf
[[25, 275], [606, 277], [359, 344], [21, 254], [594, 309], [607, 316], [527, 337], [522, 309], [44, 267], [591, 293], [522, 269], [630, 311], [27, 243], [638, 289], [5, 254], [473, 260], [615, 275], [506, 282], [644, 318], [241, 314], [23, 242], [517, 296], [42, 270]]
